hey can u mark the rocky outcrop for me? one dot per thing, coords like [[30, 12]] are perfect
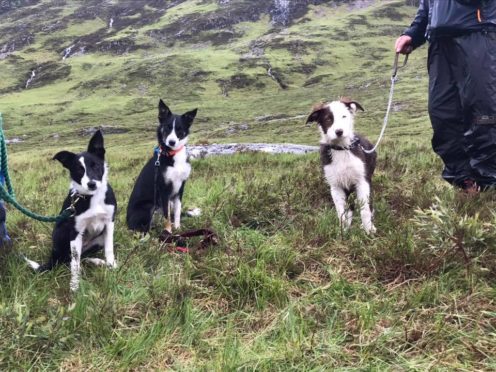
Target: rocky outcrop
[[238, 81], [202, 151], [214, 27], [46, 73], [9, 5], [16, 42], [230, 13]]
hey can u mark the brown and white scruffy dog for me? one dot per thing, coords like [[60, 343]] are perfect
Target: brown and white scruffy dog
[[347, 167]]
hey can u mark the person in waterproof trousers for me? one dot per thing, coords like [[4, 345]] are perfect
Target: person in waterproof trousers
[[462, 85]]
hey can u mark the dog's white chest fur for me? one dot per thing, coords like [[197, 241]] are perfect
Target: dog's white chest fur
[[345, 171], [178, 173], [100, 218], [93, 221]]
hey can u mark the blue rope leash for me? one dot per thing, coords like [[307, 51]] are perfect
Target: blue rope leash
[[8, 194]]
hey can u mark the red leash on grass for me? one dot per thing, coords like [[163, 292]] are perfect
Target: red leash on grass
[[209, 238]]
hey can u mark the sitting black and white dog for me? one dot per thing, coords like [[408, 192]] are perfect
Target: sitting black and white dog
[[162, 179], [347, 167], [91, 227]]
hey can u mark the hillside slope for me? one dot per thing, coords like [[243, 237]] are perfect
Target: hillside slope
[[70, 65]]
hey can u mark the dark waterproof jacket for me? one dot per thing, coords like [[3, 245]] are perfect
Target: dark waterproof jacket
[[439, 18]]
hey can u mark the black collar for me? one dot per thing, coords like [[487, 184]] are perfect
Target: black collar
[[354, 142]]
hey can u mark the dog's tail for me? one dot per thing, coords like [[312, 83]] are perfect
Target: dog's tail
[[37, 267]]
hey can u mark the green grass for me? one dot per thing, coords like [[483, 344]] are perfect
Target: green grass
[[285, 289]]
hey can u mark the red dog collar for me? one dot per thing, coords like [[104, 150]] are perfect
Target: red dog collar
[[171, 153]]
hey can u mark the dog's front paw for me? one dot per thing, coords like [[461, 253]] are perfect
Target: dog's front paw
[[74, 285], [370, 229], [195, 212], [111, 264]]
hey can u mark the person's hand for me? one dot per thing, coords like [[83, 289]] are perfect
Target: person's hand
[[403, 44]]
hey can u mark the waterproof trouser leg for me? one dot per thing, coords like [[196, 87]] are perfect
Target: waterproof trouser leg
[[4, 236], [462, 106], [446, 114]]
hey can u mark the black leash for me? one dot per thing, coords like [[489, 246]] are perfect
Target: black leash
[[157, 151]]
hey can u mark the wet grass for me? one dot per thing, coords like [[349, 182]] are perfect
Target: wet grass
[[284, 289]]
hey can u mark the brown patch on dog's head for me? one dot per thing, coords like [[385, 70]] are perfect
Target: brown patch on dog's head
[[353, 106], [322, 115]]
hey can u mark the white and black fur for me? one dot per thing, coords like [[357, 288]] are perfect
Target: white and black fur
[[91, 226], [347, 168], [162, 179]]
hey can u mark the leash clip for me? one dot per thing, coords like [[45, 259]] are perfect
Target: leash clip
[[396, 67], [157, 151], [75, 197], [71, 209]]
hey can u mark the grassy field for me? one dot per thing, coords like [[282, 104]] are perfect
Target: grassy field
[[285, 289]]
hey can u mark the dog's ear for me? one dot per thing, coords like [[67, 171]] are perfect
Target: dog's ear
[[163, 110], [189, 116], [65, 157], [315, 116], [353, 106], [96, 146]]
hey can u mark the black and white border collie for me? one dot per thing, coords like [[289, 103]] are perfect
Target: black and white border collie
[[347, 167], [91, 227], [162, 179]]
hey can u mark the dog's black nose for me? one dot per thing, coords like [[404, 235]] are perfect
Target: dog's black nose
[[339, 132], [171, 143], [92, 185]]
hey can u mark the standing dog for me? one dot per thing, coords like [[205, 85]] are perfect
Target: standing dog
[[162, 179], [347, 167], [93, 203]]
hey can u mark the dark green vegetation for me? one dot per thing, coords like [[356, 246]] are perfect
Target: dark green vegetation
[[285, 289]]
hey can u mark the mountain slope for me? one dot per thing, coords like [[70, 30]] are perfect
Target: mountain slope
[[69, 65]]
